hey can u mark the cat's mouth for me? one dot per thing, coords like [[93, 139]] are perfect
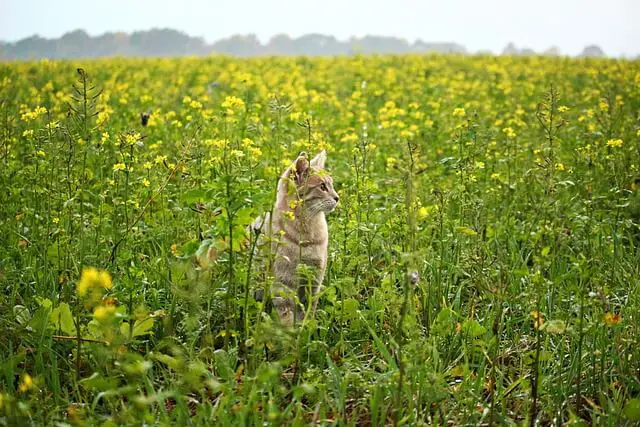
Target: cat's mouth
[[329, 206]]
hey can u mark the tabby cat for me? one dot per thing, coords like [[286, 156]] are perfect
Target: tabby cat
[[298, 234]]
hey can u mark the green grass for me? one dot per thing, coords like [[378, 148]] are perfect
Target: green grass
[[483, 261]]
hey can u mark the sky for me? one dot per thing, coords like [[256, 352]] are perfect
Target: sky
[[614, 25]]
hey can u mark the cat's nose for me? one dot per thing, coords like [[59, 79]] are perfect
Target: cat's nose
[[336, 198]]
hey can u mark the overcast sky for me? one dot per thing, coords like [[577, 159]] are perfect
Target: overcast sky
[[614, 25]]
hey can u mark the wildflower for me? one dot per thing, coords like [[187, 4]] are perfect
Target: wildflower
[[40, 153], [611, 319], [538, 318], [509, 132], [147, 165], [146, 182], [350, 137], [603, 105], [160, 159], [93, 279], [232, 103], [459, 112], [56, 220], [424, 211], [28, 133], [559, 167], [614, 143], [131, 138], [479, 165], [563, 109], [32, 115], [174, 249], [102, 118], [119, 167], [26, 384], [104, 313]]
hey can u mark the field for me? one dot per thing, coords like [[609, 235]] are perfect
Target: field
[[483, 259]]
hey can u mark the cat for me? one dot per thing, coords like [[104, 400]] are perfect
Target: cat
[[298, 234]]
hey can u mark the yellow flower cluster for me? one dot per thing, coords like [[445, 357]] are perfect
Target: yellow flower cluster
[[93, 282]]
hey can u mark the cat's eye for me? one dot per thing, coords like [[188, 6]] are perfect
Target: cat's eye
[[323, 187]]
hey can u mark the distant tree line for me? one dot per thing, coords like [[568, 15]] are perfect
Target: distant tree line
[[168, 42]]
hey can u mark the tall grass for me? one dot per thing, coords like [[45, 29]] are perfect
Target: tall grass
[[483, 264]]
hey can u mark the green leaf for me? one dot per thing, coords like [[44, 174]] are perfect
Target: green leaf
[[95, 329], [22, 314], [140, 328], [194, 195], [555, 326], [223, 367], [473, 328], [172, 362], [632, 409], [62, 319], [40, 320], [189, 248], [99, 383], [53, 252]]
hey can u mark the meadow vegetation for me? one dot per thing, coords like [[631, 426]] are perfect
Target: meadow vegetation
[[483, 260]]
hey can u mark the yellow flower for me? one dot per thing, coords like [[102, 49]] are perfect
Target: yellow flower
[[93, 279], [563, 108], [603, 105], [119, 167], [103, 313], [611, 319], [350, 137], [232, 103], [459, 112], [559, 166], [146, 182], [479, 165], [509, 132], [538, 318], [56, 220], [26, 384], [615, 143], [132, 138]]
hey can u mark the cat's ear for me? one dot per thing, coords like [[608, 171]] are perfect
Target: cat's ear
[[301, 168], [319, 160]]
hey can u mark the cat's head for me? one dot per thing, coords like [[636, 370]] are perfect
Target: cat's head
[[314, 185]]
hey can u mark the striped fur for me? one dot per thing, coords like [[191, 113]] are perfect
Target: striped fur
[[298, 234]]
